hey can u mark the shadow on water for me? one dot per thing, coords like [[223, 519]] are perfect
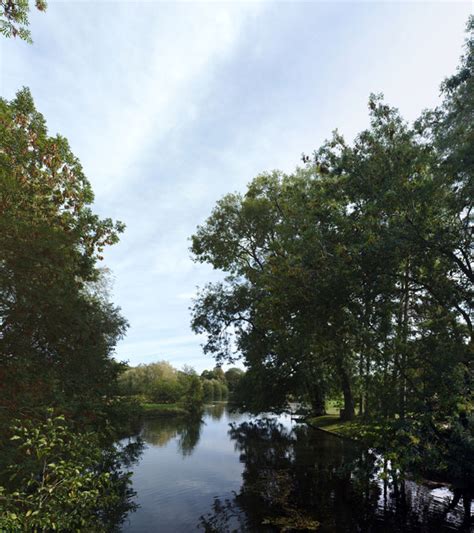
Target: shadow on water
[[118, 460], [227, 471], [306, 480]]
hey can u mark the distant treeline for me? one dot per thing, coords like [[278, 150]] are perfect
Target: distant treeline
[[163, 384]]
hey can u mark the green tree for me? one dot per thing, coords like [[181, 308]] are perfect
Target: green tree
[[208, 374], [233, 376], [14, 17], [268, 299], [208, 390], [219, 374], [193, 393], [57, 332], [353, 277], [216, 390], [158, 381]]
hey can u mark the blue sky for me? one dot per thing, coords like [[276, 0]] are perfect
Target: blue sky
[[171, 105]]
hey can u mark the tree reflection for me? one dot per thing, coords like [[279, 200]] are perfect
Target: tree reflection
[[189, 435], [466, 494], [118, 461], [216, 410], [159, 431], [306, 480]]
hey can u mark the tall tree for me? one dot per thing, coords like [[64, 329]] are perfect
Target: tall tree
[[353, 275], [57, 334]]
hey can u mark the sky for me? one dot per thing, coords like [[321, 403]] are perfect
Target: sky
[[171, 105]]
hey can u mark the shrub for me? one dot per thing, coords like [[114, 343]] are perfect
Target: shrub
[[62, 480]]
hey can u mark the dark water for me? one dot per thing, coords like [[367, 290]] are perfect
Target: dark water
[[232, 472]]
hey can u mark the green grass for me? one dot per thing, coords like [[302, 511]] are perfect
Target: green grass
[[331, 422], [324, 421], [353, 429], [163, 409], [333, 407]]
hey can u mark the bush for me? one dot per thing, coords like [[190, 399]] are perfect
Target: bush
[[62, 481]]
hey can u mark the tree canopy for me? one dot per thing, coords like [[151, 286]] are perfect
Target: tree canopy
[[57, 330], [352, 276]]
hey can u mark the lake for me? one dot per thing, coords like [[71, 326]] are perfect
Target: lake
[[235, 472]]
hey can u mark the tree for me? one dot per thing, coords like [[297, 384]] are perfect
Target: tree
[[353, 277], [193, 393], [219, 374], [57, 334], [14, 17], [207, 390], [267, 299], [158, 381], [208, 374], [216, 390], [233, 377]]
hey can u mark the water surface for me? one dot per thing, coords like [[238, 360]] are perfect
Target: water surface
[[233, 472]]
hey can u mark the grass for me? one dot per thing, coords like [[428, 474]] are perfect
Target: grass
[[332, 423], [333, 407], [353, 429], [163, 409]]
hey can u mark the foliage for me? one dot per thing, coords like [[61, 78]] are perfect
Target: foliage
[[352, 277], [14, 17], [193, 392], [62, 480], [233, 376], [161, 383], [57, 333], [216, 373], [214, 390]]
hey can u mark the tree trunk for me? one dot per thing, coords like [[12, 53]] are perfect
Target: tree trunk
[[349, 411], [367, 383], [318, 403]]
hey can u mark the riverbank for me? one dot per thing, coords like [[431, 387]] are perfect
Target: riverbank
[[355, 430], [368, 434], [163, 409]]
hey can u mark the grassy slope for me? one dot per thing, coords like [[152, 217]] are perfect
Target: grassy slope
[[332, 423], [163, 409]]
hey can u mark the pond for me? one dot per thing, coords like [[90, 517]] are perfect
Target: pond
[[234, 472]]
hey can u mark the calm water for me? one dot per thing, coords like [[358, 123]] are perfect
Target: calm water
[[233, 472]]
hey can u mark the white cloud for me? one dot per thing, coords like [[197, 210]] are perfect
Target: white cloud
[[186, 295], [171, 105]]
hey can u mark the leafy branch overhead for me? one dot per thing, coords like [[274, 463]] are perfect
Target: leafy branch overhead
[[14, 19]]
